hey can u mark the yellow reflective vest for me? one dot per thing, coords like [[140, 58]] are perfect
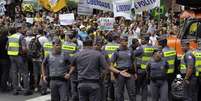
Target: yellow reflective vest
[[197, 54], [170, 55], [47, 48], [13, 45], [146, 56]]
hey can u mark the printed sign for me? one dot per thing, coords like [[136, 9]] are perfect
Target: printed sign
[[83, 8], [122, 8], [66, 19], [106, 23], [105, 5], [142, 5]]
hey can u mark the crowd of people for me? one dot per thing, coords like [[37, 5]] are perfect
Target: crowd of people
[[80, 62]]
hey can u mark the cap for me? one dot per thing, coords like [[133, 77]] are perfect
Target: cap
[[88, 41]]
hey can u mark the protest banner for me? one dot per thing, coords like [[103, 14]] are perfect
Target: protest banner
[[143, 5], [106, 23], [105, 5], [122, 8], [66, 19], [83, 8]]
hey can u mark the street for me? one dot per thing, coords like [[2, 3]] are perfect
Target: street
[[34, 97]]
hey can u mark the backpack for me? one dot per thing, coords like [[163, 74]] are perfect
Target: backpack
[[35, 48]]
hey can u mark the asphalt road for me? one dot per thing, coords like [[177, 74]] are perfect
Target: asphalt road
[[34, 97]]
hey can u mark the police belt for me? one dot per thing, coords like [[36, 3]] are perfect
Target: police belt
[[58, 78], [89, 81]]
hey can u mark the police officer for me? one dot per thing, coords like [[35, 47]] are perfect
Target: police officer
[[143, 54], [58, 65], [47, 48], [124, 59], [105, 78], [156, 69], [169, 55], [197, 54], [188, 71], [110, 48], [89, 64], [69, 47], [16, 50]]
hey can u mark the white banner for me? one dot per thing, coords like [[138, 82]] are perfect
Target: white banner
[[143, 5], [106, 23], [122, 8], [105, 5], [66, 19], [83, 8]]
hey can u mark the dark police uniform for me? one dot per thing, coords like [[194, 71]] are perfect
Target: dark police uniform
[[158, 80], [169, 55], [89, 64], [197, 54], [188, 60], [105, 79], [124, 60], [74, 82], [58, 65], [110, 48], [143, 56]]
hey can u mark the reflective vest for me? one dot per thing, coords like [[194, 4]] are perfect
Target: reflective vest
[[69, 48], [183, 65], [146, 56], [170, 55], [47, 48], [197, 54], [111, 48], [13, 45]]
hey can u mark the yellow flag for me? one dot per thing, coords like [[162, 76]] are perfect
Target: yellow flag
[[53, 5]]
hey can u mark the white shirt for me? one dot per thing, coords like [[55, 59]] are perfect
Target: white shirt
[[153, 40], [136, 33], [42, 40]]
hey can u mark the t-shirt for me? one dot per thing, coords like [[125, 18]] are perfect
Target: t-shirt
[[42, 40]]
